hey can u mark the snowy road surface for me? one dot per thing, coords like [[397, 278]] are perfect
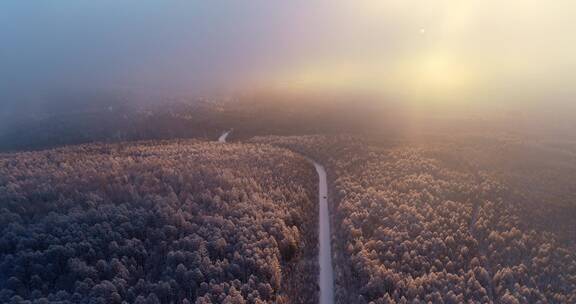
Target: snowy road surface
[[223, 137], [325, 255], [326, 277]]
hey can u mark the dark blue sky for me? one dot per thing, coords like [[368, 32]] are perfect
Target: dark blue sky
[[188, 46]]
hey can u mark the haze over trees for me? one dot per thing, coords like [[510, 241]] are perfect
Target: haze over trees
[[113, 117], [107, 118], [420, 223], [447, 130], [158, 222]]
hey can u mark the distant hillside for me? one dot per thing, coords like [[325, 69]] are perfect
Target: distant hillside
[[113, 123]]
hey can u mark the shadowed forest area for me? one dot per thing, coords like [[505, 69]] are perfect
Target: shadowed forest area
[[158, 222]]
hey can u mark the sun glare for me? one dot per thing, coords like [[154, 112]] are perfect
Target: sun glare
[[437, 77], [431, 77]]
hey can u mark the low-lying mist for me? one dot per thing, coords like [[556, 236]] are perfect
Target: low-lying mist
[[407, 67]]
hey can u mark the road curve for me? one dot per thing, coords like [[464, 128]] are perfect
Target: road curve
[[326, 276], [325, 255], [222, 138]]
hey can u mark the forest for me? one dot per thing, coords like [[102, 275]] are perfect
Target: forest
[[288, 152], [481, 220], [179, 221], [461, 219]]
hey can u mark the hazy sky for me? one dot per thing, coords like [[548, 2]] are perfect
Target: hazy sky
[[463, 50]]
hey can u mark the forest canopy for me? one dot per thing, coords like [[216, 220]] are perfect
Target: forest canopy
[[158, 222], [448, 222]]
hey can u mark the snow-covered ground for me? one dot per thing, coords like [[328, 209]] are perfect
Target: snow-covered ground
[[325, 255]]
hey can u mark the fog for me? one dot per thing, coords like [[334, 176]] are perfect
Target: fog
[[511, 54]]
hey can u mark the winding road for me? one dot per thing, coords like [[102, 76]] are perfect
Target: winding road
[[222, 138], [326, 276]]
